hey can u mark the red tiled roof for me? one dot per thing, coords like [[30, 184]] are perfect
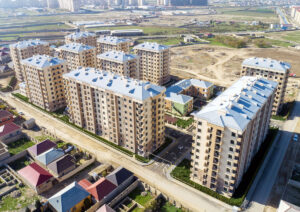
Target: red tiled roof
[[105, 208], [85, 183], [8, 128], [35, 174], [100, 189], [4, 114]]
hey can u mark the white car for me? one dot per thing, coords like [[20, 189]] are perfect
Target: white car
[[295, 138], [180, 147]]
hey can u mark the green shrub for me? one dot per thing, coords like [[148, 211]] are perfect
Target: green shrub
[[231, 41]]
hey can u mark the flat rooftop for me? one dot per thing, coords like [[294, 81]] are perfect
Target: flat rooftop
[[42, 61], [75, 47], [267, 63], [237, 105], [28, 43], [135, 89], [116, 56]]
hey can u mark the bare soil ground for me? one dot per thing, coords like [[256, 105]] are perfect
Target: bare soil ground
[[222, 65], [4, 82]]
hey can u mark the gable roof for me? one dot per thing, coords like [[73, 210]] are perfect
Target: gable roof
[[34, 174], [4, 114], [116, 56], [118, 176], [63, 163], [41, 147], [100, 188], [154, 47], [78, 35], [27, 43], [68, 197], [112, 40], [50, 156], [75, 47], [8, 128], [105, 208], [178, 98]]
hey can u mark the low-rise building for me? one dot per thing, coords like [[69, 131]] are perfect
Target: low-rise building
[[120, 63], [49, 156], [71, 198], [62, 165], [109, 43], [105, 208], [4, 153], [78, 55], [5, 117], [178, 104], [127, 32], [37, 178], [44, 85], [85, 38], [269, 69], [10, 132], [127, 112], [41, 147], [229, 132]]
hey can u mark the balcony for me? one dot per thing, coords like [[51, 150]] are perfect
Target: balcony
[[208, 144], [207, 151], [206, 164]]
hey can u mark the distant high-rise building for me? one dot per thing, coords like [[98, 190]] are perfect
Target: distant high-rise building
[[154, 62], [141, 2], [229, 132], [109, 43], [78, 55], [127, 112], [85, 38], [52, 4], [188, 2], [272, 70], [120, 63], [25, 49], [44, 82], [71, 5]]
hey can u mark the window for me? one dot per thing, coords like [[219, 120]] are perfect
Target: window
[[228, 163], [233, 134], [230, 149], [232, 142], [230, 156]]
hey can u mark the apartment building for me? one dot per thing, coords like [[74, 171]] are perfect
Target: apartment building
[[272, 70], [125, 111], [120, 63], [109, 43], [154, 62], [71, 5], [25, 49], [43, 77], [85, 38], [228, 133], [78, 55]]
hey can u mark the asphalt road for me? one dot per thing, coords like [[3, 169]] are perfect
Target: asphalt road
[[265, 184]]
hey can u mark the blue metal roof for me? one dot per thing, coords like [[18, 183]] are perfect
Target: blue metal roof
[[68, 197], [50, 156], [75, 47], [267, 63], [27, 43], [237, 105], [151, 47], [138, 90], [112, 40], [78, 35], [178, 98], [42, 61], [116, 56]]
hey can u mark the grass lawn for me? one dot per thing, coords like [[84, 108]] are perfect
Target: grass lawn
[[20, 145], [252, 12], [214, 42], [168, 207], [292, 36], [27, 197], [278, 42], [19, 164], [184, 123], [44, 137], [136, 195], [37, 28]]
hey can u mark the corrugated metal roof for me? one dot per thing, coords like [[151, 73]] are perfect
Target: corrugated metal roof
[[267, 63], [42, 61]]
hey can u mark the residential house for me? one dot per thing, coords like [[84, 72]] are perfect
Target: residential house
[[41, 147], [37, 177], [5, 117], [50, 156], [121, 178], [10, 132], [105, 208], [62, 165], [4, 153], [71, 198]]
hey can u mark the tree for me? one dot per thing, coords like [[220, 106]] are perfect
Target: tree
[[87, 203], [27, 209]]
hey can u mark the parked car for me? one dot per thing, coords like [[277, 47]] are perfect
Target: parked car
[[180, 147], [295, 138], [21, 114]]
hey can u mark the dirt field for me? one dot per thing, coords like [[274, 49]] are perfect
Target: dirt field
[[4, 82], [222, 65]]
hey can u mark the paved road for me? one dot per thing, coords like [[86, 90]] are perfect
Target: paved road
[[188, 197], [264, 187]]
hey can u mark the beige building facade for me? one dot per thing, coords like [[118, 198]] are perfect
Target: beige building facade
[[272, 70], [110, 43], [154, 62], [78, 55], [25, 49], [44, 83], [119, 63], [228, 133], [85, 38], [127, 112]]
